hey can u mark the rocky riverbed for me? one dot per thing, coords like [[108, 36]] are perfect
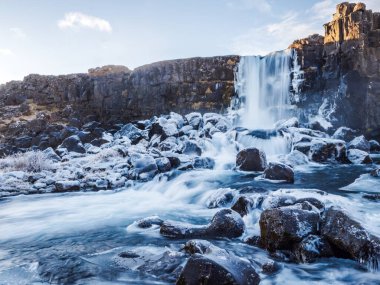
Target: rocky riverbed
[[188, 198]]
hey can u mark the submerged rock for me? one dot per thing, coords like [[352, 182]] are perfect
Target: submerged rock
[[349, 238], [225, 223], [283, 227], [209, 264], [279, 171], [251, 159]]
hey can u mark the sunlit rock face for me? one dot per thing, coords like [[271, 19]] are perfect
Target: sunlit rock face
[[342, 70]]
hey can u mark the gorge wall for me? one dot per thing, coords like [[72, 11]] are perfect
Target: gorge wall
[[342, 70]]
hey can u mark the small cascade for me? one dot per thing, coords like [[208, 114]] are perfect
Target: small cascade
[[263, 84]]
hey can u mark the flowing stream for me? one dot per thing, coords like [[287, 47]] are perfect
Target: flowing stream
[[71, 238]]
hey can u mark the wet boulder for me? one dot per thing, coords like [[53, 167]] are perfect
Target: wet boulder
[[311, 248], [344, 133], [209, 264], [374, 146], [360, 143], [225, 223], [312, 201], [328, 150], [279, 171], [74, 144], [251, 159], [358, 156], [243, 205], [349, 238], [283, 227]]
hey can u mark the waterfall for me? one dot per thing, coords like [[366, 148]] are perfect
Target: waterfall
[[263, 84]]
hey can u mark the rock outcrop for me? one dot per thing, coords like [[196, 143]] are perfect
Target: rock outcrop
[[114, 94], [341, 71]]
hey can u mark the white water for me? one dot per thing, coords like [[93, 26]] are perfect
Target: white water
[[263, 85]]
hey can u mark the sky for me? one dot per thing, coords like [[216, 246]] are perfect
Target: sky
[[71, 36]]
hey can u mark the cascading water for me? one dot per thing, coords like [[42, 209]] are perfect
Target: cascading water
[[263, 84], [263, 87]]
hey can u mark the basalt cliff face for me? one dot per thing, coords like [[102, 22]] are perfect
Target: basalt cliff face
[[342, 70]]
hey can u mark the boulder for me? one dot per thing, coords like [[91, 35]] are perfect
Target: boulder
[[163, 164], [349, 238], [279, 171], [360, 143], [344, 133], [130, 131], [64, 186], [251, 159], [243, 205], [311, 248], [73, 143], [358, 156], [209, 264], [191, 148], [194, 119], [325, 150], [374, 146], [144, 167], [225, 223], [149, 222], [283, 227]]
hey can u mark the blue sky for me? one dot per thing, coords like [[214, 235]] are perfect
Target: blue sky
[[70, 36]]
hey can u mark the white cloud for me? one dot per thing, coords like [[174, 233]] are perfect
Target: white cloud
[[260, 5], [79, 20], [274, 36], [17, 33], [323, 10], [5, 52]]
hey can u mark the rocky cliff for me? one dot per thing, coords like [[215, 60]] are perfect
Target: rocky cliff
[[114, 94], [342, 70]]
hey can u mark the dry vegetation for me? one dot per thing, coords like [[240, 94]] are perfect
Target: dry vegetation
[[31, 161]]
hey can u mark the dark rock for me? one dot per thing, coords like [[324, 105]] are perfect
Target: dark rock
[[279, 171], [374, 146], [174, 161], [349, 238], [23, 142], [99, 141], [360, 143], [91, 126], [283, 227], [344, 133], [163, 164], [375, 172], [328, 150], [243, 205], [225, 223], [220, 198], [86, 137], [254, 241], [74, 144], [372, 197], [211, 265], [64, 186], [311, 248], [270, 267], [251, 159], [131, 132], [263, 134], [191, 148], [149, 222], [313, 201], [203, 162], [358, 156]]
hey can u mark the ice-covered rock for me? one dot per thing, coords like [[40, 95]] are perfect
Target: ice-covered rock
[[358, 156], [251, 159]]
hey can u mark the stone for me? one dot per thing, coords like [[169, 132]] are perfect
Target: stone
[[131, 132], [374, 146], [279, 171], [349, 238], [191, 148], [311, 248], [203, 162], [243, 205], [225, 223], [209, 264], [358, 156], [328, 150], [360, 143], [251, 159], [194, 120], [345, 134], [149, 222], [65, 186], [73, 143], [163, 164], [283, 227]]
